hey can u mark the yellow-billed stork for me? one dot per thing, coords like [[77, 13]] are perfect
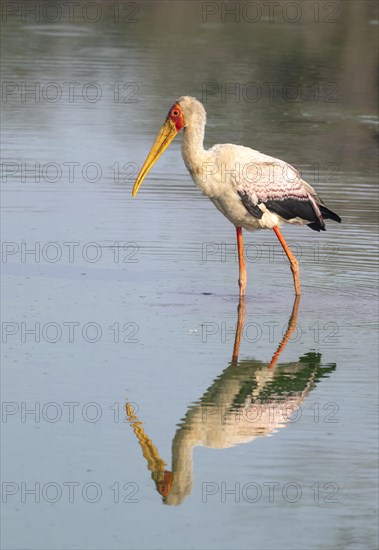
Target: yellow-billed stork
[[251, 189]]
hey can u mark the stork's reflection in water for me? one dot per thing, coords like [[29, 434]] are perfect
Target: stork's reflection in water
[[249, 399]]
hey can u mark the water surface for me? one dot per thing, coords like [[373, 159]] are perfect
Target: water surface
[[135, 300]]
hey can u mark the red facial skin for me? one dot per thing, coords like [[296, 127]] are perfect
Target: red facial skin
[[164, 485], [176, 116]]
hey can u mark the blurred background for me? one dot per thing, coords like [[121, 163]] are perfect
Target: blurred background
[[109, 299]]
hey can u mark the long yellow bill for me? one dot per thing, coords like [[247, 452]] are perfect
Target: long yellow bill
[[164, 138]]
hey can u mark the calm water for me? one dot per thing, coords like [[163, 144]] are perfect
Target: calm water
[[134, 301]]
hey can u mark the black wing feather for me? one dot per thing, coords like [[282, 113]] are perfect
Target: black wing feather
[[292, 207], [253, 209]]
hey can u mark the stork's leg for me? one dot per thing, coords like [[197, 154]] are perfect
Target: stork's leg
[[239, 327], [293, 261], [241, 261], [292, 324]]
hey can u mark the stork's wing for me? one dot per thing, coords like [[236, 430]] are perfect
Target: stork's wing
[[276, 186]]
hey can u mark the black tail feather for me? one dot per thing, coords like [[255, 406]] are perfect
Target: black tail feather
[[316, 226], [328, 214]]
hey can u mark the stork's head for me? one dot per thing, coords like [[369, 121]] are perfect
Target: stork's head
[[184, 113], [164, 484], [193, 111]]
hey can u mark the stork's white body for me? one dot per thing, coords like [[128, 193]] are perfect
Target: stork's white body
[[221, 171]]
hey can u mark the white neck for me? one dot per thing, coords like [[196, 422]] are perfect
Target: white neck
[[193, 151]]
